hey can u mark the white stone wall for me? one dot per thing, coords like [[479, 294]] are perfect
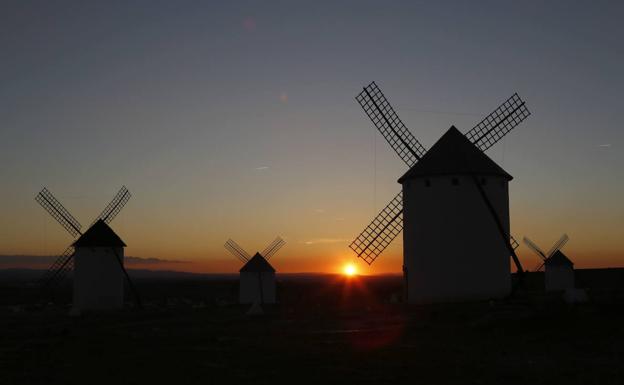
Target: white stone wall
[[98, 279], [249, 290], [452, 249], [558, 278]]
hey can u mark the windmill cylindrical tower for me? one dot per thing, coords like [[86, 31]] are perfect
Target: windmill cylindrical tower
[[257, 281], [558, 272], [453, 249], [98, 269]]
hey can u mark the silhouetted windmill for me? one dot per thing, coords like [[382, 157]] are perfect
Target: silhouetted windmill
[[257, 276], [558, 268], [545, 256], [453, 206], [99, 237]]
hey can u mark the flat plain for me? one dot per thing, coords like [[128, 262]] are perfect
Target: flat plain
[[326, 329]]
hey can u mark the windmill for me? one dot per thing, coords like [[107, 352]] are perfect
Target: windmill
[[558, 268], [449, 207], [99, 237], [257, 276]]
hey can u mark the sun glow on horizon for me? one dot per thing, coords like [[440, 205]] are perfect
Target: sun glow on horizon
[[350, 270]]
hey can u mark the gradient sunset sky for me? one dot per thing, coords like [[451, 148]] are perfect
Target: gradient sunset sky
[[238, 120]]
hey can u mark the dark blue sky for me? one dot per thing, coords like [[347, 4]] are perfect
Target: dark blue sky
[[239, 120]]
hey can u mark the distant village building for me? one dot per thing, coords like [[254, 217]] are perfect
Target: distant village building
[[257, 281], [452, 248], [98, 276], [558, 272]]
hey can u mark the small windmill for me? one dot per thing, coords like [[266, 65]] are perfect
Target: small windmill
[[257, 276], [446, 224], [558, 268], [99, 239]]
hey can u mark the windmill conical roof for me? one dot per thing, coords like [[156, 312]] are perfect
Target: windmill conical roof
[[559, 259], [99, 235], [454, 154], [257, 264]]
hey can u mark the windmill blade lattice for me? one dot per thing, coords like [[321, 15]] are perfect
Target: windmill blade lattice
[[237, 251], [270, 246], [390, 125], [559, 244], [58, 212], [497, 124], [114, 207], [380, 232], [513, 242], [63, 264], [270, 250], [534, 247], [539, 266]]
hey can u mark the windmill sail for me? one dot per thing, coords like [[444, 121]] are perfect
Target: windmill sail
[[539, 266], [559, 244], [270, 250], [389, 222], [237, 251], [513, 242], [62, 265], [390, 125], [114, 207], [58, 212], [534, 247], [380, 232], [497, 124]]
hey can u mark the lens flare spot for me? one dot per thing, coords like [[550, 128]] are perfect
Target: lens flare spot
[[249, 24]]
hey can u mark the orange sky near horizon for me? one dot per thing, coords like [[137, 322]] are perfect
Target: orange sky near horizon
[[327, 255], [229, 120]]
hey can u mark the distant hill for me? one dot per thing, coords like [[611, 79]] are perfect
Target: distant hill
[[18, 275], [27, 275], [589, 278]]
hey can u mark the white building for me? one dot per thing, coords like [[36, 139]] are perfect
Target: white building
[[452, 247], [257, 281], [558, 272], [98, 276]]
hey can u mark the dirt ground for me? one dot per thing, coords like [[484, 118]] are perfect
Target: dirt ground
[[330, 330]]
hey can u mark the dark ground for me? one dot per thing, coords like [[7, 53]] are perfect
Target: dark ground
[[326, 330]]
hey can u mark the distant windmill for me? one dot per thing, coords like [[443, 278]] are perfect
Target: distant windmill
[[454, 207], [257, 276], [558, 268], [96, 257]]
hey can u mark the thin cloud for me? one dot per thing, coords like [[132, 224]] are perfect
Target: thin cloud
[[262, 168], [26, 259], [319, 211], [47, 260], [150, 261], [605, 145], [325, 241]]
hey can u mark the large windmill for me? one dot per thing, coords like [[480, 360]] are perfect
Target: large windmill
[[558, 268], [257, 276], [453, 207], [98, 236]]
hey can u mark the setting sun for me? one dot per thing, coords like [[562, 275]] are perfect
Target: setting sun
[[350, 270]]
